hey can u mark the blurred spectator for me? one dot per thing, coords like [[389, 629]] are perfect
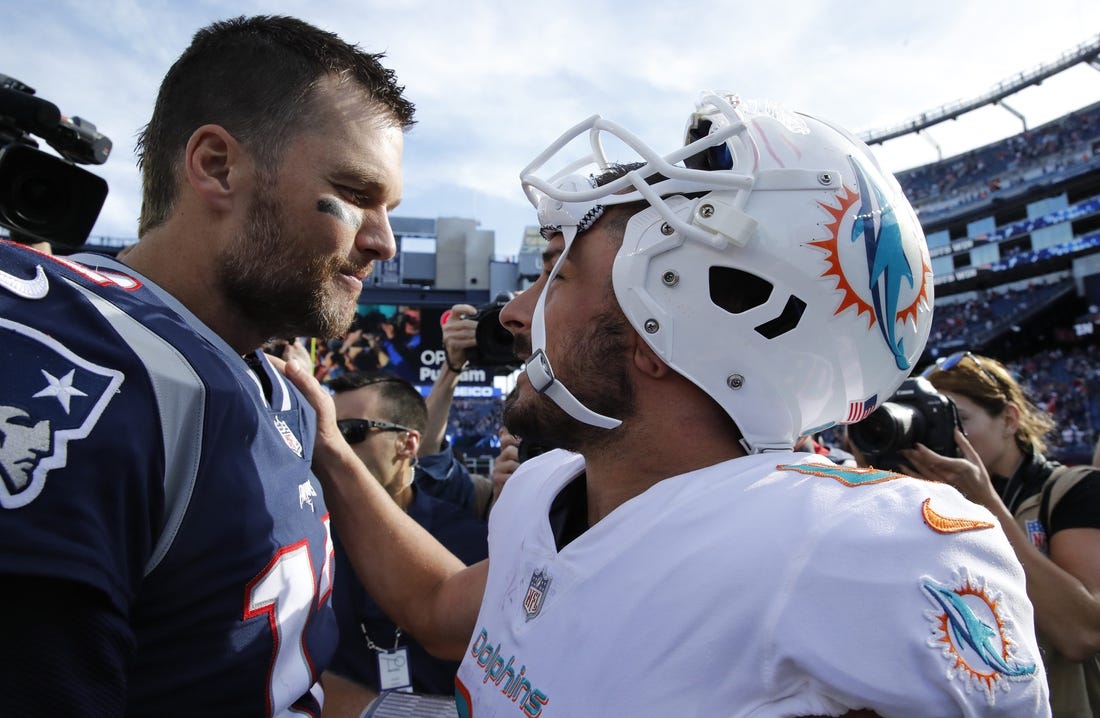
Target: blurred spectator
[[437, 457], [470, 425], [507, 461], [286, 350], [1059, 381], [815, 444], [384, 418]]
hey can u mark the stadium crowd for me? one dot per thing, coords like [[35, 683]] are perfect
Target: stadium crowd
[[1064, 383], [983, 172], [988, 311]]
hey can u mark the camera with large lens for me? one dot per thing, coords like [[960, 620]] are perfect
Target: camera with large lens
[[45, 198], [494, 342], [916, 413]]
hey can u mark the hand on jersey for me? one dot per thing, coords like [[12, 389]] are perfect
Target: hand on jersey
[[330, 450], [967, 474]]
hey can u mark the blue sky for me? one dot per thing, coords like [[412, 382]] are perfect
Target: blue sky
[[496, 81]]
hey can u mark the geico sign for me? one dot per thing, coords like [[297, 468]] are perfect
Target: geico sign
[[475, 391]]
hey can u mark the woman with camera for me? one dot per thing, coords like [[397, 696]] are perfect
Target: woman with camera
[[1050, 514]]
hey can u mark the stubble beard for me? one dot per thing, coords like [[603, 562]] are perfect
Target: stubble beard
[[595, 372], [276, 284]]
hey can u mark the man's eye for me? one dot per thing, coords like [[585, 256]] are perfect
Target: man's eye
[[357, 197]]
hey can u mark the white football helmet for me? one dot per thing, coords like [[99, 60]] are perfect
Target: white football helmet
[[778, 267]]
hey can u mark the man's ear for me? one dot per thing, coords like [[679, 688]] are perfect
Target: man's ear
[[408, 443], [214, 165], [646, 360]]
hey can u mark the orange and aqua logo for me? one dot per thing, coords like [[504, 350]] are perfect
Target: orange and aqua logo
[[876, 271], [971, 630]]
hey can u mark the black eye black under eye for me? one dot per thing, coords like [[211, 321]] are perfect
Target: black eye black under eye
[[338, 210]]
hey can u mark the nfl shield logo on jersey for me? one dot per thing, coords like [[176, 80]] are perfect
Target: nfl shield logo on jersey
[[536, 594], [288, 436]]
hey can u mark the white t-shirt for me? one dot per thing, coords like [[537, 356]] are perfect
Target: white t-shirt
[[744, 589]]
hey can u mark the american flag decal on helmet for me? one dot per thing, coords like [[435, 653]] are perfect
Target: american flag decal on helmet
[[858, 410]]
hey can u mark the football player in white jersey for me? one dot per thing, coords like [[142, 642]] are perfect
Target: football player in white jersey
[[698, 312]]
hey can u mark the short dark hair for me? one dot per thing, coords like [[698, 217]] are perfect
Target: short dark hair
[[254, 77], [616, 216], [403, 402]]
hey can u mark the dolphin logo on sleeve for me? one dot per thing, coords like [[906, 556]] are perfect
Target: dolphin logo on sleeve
[[974, 633]]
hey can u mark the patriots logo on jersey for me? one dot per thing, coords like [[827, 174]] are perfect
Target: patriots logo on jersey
[[45, 406], [305, 495]]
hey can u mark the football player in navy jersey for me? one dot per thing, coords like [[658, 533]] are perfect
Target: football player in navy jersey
[[164, 547]]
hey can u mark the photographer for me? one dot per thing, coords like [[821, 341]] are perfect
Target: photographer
[[1050, 514], [382, 417], [443, 474]]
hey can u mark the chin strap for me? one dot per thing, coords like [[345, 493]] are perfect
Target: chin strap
[[538, 367]]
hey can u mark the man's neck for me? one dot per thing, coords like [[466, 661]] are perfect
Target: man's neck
[[192, 281], [617, 475], [674, 428], [401, 489]]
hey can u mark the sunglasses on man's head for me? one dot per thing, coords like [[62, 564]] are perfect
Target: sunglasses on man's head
[[356, 430]]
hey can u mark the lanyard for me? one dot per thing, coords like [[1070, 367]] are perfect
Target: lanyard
[[374, 647]]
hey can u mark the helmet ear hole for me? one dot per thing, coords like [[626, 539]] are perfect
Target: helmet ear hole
[[787, 320], [736, 290]]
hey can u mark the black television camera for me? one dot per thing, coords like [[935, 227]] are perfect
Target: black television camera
[[915, 413], [494, 342], [43, 197]]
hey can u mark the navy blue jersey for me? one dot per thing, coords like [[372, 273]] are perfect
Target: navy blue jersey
[[143, 458]]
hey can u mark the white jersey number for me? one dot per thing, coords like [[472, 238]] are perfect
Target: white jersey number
[[286, 592]]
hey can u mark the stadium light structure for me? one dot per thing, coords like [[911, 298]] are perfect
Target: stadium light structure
[[1086, 52]]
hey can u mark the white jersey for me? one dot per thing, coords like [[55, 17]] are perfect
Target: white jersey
[[770, 585]]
